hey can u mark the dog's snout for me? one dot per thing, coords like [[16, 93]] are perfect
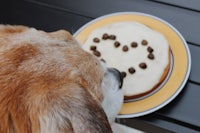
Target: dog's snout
[[118, 75]]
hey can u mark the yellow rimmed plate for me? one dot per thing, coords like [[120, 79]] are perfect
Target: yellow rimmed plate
[[180, 68]]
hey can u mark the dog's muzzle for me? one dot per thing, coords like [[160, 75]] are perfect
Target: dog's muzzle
[[118, 75]]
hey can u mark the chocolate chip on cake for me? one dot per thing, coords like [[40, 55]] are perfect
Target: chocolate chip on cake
[[105, 36], [134, 44], [144, 42], [96, 40], [150, 49], [117, 44], [151, 56], [143, 65], [123, 74], [97, 53], [131, 70], [112, 37], [93, 48], [125, 48]]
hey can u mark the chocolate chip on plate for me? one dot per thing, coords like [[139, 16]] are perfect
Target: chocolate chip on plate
[[97, 53], [112, 37], [105, 36], [123, 74], [150, 49], [151, 56], [93, 48], [144, 42], [134, 44], [117, 44], [96, 40], [143, 65], [125, 48], [131, 70]]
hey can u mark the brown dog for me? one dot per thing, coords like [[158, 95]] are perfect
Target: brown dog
[[48, 84]]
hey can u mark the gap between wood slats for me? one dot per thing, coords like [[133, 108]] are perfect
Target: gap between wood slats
[[57, 8], [178, 6], [188, 125]]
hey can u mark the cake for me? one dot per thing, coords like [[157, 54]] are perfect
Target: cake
[[140, 53]]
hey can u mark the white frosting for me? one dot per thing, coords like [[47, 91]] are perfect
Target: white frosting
[[126, 32]]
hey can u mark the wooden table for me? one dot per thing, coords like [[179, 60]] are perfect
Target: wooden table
[[183, 113]]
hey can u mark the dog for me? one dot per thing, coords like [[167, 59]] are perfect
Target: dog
[[49, 84]]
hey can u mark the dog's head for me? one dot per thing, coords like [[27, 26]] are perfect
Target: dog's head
[[48, 83]]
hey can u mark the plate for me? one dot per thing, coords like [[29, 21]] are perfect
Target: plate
[[180, 55]]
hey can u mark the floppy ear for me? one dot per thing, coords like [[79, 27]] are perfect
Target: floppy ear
[[73, 109]]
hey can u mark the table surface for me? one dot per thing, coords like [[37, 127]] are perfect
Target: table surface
[[183, 113]]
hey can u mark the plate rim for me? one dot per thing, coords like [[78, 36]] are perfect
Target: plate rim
[[186, 76]]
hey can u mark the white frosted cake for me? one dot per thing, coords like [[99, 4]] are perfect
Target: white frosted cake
[[140, 53]]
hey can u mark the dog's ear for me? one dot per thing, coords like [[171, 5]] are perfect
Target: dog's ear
[[72, 107]]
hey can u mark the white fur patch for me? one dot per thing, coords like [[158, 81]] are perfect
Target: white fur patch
[[113, 96]]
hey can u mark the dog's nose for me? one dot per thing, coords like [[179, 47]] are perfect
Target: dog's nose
[[119, 76]]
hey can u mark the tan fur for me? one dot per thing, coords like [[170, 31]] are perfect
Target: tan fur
[[46, 80]]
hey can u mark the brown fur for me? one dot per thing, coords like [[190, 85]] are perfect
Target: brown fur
[[47, 77]]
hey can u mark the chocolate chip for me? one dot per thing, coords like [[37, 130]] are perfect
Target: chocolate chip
[[143, 65], [112, 37], [125, 48], [131, 70], [105, 36], [117, 44], [123, 74], [151, 56], [97, 53], [134, 44], [144, 42], [93, 48], [96, 40], [150, 49]]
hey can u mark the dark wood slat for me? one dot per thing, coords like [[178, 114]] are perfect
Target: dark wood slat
[[190, 4], [155, 121], [185, 21], [24, 13], [195, 72], [185, 108], [144, 125]]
